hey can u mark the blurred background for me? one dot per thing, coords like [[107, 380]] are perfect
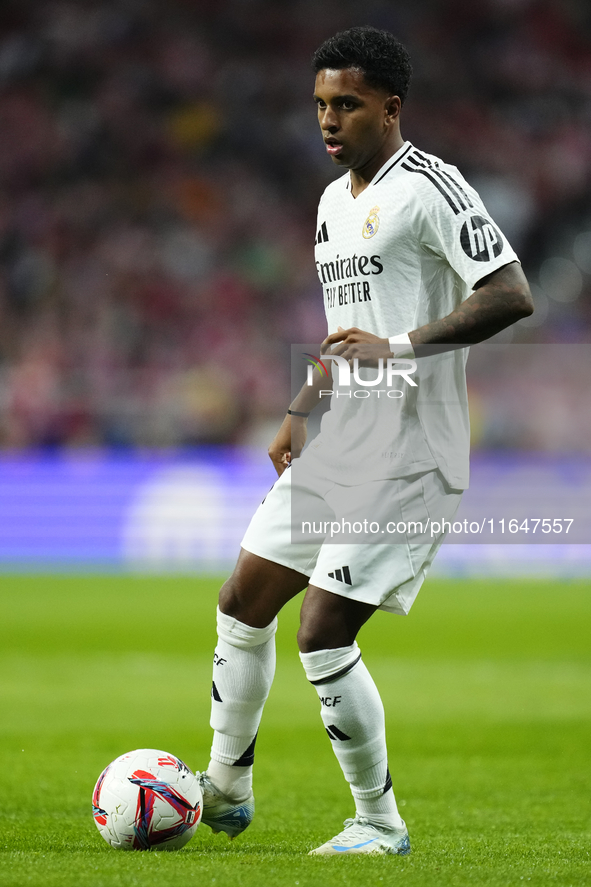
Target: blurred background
[[160, 168]]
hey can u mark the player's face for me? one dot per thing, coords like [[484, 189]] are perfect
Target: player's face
[[357, 121]]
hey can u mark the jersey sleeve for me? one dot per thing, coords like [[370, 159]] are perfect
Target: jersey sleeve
[[454, 223]]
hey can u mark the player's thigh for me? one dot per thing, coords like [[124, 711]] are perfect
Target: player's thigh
[[258, 589], [271, 569], [270, 533]]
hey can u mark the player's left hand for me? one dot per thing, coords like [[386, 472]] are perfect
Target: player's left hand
[[357, 344]]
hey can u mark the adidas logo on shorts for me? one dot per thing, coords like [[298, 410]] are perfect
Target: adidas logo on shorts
[[342, 575]]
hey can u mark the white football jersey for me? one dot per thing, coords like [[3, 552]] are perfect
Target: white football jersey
[[407, 251]]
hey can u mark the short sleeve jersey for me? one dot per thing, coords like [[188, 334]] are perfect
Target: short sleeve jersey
[[407, 251]]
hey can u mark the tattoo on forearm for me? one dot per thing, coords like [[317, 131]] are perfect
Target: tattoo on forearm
[[488, 310]]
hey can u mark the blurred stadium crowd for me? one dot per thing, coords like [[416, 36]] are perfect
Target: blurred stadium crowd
[[160, 168]]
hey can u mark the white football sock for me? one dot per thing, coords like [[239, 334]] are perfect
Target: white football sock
[[243, 670], [353, 715]]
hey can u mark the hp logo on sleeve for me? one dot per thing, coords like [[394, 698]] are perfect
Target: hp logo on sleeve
[[480, 239]]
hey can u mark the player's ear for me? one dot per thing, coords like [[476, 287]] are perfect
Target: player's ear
[[393, 105]]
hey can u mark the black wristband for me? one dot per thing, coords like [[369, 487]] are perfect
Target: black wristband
[[295, 413]]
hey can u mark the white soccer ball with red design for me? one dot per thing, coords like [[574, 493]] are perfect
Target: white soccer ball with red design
[[147, 800]]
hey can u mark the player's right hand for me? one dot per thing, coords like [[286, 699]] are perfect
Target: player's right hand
[[355, 344], [288, 443]]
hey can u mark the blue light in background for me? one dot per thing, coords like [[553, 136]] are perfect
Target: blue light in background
[[187, 511]]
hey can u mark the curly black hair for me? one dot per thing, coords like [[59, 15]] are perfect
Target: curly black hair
[[379, 55]]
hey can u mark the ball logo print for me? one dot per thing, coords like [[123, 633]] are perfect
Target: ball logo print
[[169, 761], [480, 239]]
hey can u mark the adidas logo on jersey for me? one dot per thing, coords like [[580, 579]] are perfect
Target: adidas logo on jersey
[[342, 575], [322, 236]]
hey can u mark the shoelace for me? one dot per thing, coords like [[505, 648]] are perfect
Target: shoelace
[[352, 830]]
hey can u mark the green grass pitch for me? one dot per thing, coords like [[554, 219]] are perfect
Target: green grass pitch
[[488, 701]]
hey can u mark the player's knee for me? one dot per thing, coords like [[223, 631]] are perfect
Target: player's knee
[[313, 636], [328, 621], [247, 601], [308, 643], [232, 599]]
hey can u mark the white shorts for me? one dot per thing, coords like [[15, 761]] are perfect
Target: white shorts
[[387, 575]]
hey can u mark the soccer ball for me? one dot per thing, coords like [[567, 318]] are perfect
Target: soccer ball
[[147, 800]]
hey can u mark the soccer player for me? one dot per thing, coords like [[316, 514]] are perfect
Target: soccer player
[[407, 256]]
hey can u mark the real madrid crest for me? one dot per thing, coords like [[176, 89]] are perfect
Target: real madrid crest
[[372, 223]]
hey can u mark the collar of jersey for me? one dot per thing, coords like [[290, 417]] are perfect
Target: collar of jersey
[[390, 163]]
